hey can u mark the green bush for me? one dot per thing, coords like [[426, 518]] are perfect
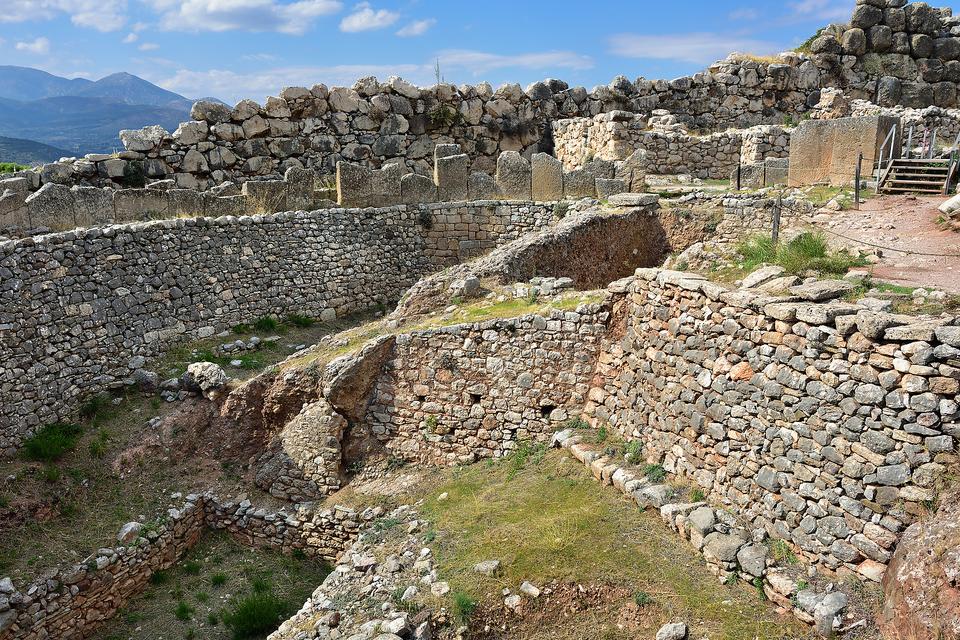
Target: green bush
[[806, 252], [655, 473], [298, 320], [11, 167], [463, 606], [218, 579], [255, 615], [51, 442], [266, 323], [183, 611], [134, 176], [642, 598], [191, 567]]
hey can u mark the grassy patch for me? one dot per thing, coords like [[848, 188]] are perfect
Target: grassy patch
[[265, 588], [11, 167], [51, 442], [806, 252], [552, 521]]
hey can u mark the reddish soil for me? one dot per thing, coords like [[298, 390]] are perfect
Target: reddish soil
[[904, 226]]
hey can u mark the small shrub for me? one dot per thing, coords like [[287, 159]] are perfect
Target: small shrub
[[203, 596], [191, 567], [12, 167], [134, 176], [525, 452], [758, 585], [655, 472], [697, 495], [260, 585], [240, 329], [218, 579], [212, 619], [642, 598], [782, 553], [159, 577], [298, 320], [51, 442], [266, 323], [806, 252], [463, 606], [430, 424], [602, 435], [190, 634], [51, 473], [299, 555], [183, 611], [93, 408], [633, 451], [98, 446], [561, 209], [255, 615], [395, 462], [731, 579], [576, 423]]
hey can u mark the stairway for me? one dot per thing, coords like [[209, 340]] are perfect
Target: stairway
[[915, 175]]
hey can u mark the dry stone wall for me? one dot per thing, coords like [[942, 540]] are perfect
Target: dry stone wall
[[825, 424], [80, 311], [72, 601], [633, 144]]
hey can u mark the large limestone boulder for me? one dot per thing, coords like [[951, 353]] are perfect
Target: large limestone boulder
[[547, 180], [210, 112], [146, 139], [514, 176], [922, 581], [206, 378]]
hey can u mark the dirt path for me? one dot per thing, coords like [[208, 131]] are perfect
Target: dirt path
[[901, 224]]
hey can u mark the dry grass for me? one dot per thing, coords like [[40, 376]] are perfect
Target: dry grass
[[549, 520]]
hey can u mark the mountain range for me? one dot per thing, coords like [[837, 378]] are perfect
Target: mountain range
[[79, 115]]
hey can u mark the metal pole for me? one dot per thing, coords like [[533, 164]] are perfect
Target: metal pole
[[910, 142], [933, 143], [739, 168], [856, 187], [776, 220]]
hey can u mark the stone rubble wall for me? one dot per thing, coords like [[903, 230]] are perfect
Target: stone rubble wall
[[81, 311], [827, 425], [617, 136], [945, 121], [72, 601], [458, 394]]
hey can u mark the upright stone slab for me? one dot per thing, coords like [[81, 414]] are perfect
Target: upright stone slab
[[579, 184], [385, 185], [482, 186], [300, 187], [547, 178], [224, 206], [139, 204], [185, 203], [514, 176], [92, 205], [265, 196], [13, 210], [51, 206], [607, 187], [451, 174], [417, 189], [445, 151], [826, 150], [353, 185]]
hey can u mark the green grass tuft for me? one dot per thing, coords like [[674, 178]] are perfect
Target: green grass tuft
[[300, 321], [183, 611], [806, 252], [266, 323], [655, 472], [255, 615], [463, 606], [51, 442]]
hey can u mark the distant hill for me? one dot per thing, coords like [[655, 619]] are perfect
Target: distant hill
[[29, 152], [83, 116]]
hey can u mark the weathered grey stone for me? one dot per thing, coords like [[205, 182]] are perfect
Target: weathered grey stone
[[547, 178], [451, 175], [579, 184], [415, 189], [481, 186], [822, 290], [353, 185], [51, 206], [607, 187], [513, 176]]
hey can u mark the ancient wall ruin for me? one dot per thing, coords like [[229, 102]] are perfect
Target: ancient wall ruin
[[667, 148], [82, 310], [825, 424], [72, 601]]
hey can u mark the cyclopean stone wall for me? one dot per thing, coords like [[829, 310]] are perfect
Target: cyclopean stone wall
[[81, 310], [641, 146], [72, 601], [825, 424]]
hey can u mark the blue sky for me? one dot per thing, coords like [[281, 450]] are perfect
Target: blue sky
[[251, 48]]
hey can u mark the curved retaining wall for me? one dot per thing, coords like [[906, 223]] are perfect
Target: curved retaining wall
[[81, 311]]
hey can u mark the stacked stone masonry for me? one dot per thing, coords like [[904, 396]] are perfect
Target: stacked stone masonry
[[80, 311], [825, 424], [72, 601], [892, 53], [629, 141]]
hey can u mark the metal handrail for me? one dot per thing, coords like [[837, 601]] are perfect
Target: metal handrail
[[891, 136]]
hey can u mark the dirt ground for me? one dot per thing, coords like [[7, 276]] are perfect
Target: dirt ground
[[905, 226]]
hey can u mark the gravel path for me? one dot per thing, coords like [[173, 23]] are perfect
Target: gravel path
[[905, 226]]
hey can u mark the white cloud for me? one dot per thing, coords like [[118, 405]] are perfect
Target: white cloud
[[822, 11], [416, 28], [259, 57], [480, 62], [248, 15], [232, 86], [365, 18], [697, 48], [744, 14], [149, 46], [131, 38], [102, 15], [40, 46]]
